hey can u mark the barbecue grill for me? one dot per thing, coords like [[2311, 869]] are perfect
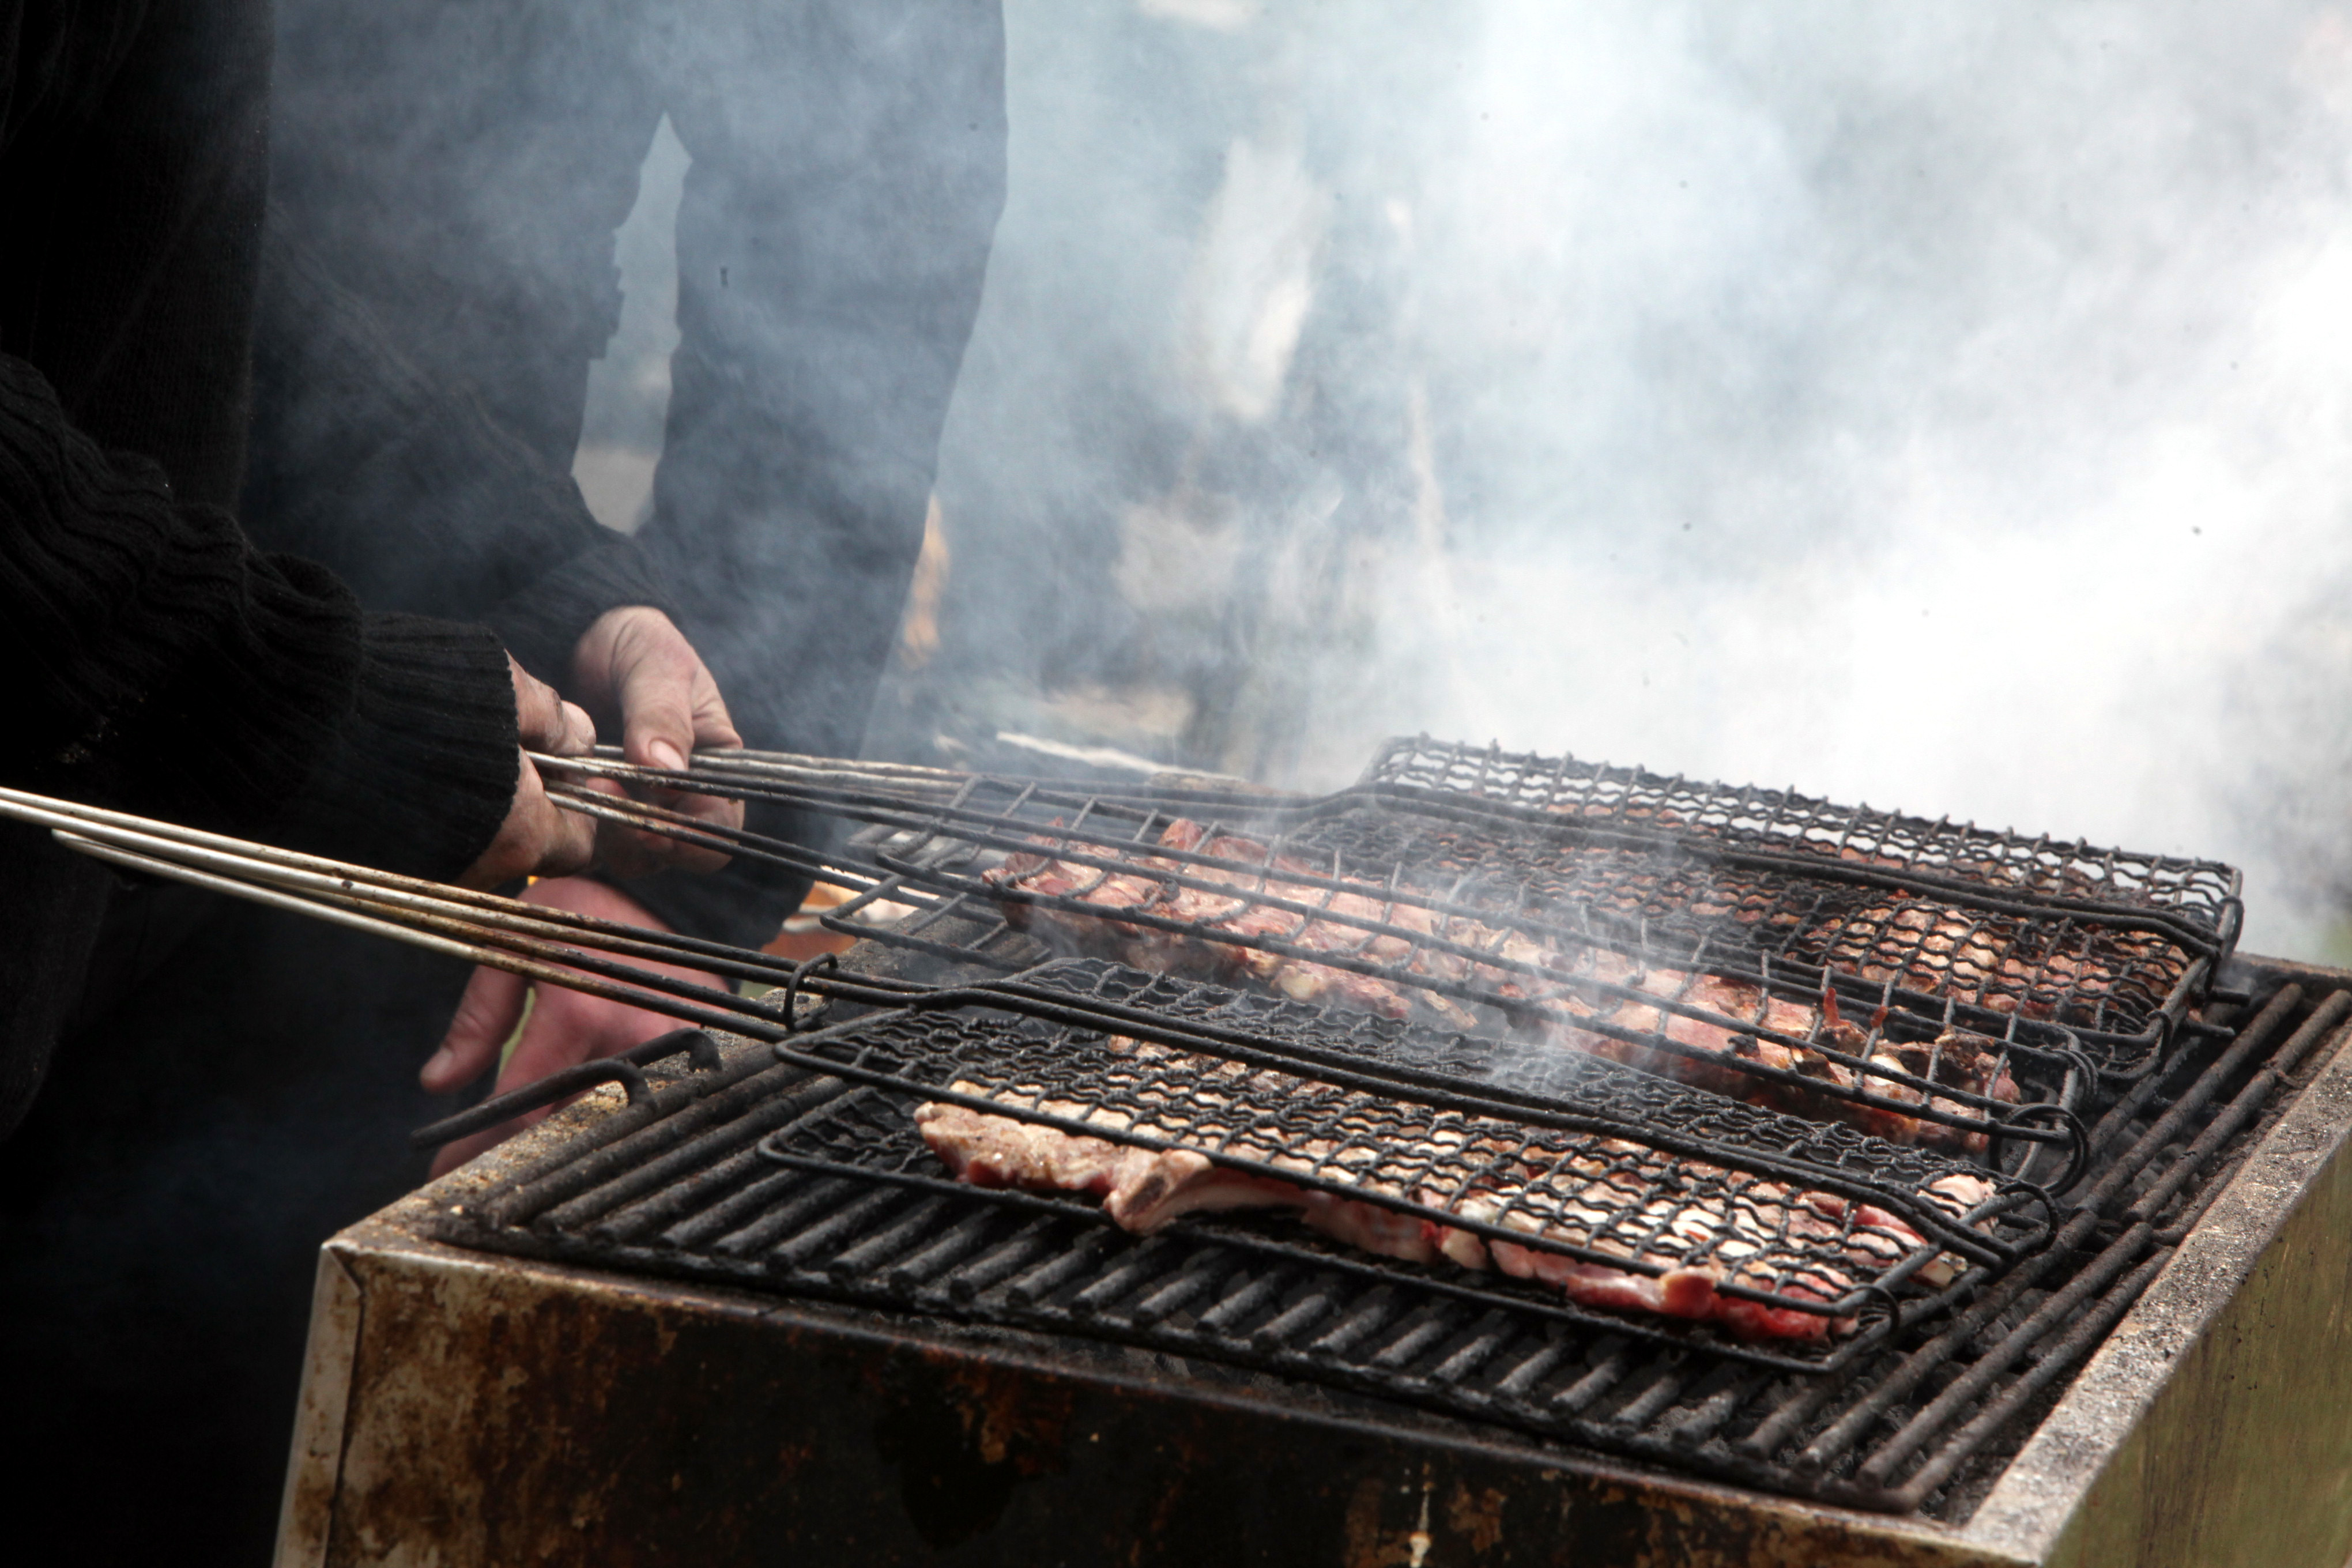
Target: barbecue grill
[[1934, 1299], [1723, 1136], [635, 1334]]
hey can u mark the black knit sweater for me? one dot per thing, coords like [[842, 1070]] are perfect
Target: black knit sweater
[[158, 660], [154, 659]]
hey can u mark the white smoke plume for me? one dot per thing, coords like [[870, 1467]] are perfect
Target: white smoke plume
[[1945, 405]]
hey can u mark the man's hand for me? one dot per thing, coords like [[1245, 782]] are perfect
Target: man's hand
[[565, 1027], [536, 838], [632, 665]]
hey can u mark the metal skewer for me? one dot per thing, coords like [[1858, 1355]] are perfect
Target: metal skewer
[[689, 830], [717, 1015], [317, 882], [819, 783]]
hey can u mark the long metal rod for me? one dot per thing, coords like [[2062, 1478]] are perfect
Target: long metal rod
[[161, 838], [438, 922], [797, 770], [718, 837], [472, 953]]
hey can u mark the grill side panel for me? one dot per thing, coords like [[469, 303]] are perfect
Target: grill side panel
[[520, 1412], [2213, 1425]]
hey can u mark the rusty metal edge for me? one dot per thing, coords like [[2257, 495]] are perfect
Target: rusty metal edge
[[306, 1513], [2047, 1506], [337, 1320]]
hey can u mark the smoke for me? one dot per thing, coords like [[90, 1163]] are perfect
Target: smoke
[[1942, 407], [627, 400]]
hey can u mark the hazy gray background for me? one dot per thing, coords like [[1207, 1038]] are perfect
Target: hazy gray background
[[1947, 405]]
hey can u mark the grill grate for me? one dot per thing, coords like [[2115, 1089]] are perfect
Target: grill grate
[[1575, 1157], [2204, 893], [1478, 889], [1745, 971], [1721, 1023], [686, 1182], [1786, 976], [1680, 896], [2077, 903]]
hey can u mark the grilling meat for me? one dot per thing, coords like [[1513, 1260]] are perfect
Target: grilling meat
[[2002, 963], [2079, 973], [1700, 1226], [1566, 996]]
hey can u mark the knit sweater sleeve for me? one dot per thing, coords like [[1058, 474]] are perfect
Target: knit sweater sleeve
[[162, 665]]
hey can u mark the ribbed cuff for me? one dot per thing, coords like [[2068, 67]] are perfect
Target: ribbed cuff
[[423, 770], [541, 624]]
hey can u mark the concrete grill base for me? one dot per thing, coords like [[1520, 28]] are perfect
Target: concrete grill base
[[460, 1408]]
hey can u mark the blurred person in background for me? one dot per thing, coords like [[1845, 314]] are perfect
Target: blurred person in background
[[436, 275], [449, 179]]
